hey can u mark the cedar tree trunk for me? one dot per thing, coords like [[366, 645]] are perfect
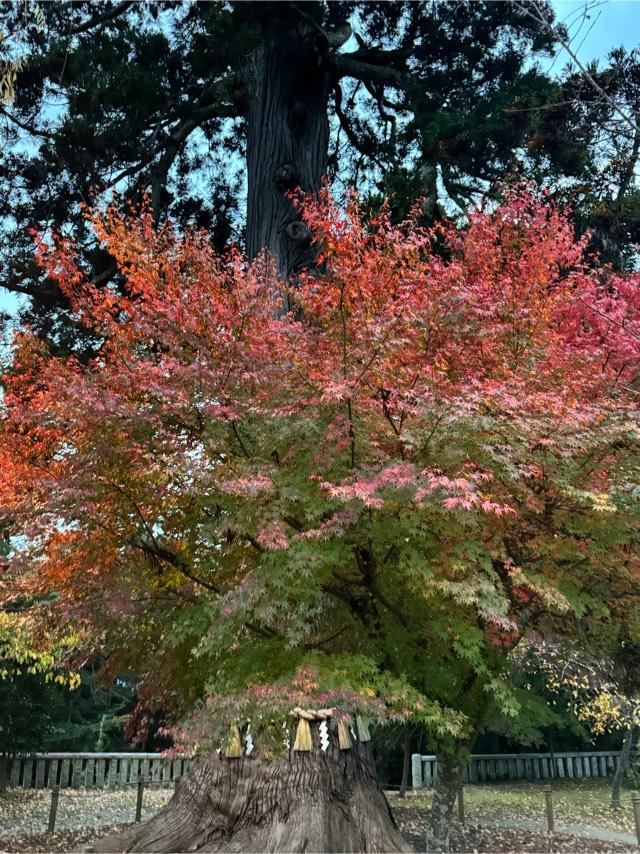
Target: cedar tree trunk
[[287, 143], [302, 802], [444, 799]]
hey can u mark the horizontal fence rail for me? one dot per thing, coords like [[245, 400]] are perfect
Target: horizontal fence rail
[[73, 770], [485, 767]]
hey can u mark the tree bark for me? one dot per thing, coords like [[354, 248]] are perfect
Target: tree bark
[[623, 766], [406, 759], [305, 801], [443, 804], [287, 143], [6, 765]]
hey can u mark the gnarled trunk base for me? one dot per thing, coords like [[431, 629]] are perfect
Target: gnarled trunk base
[[315, 801]]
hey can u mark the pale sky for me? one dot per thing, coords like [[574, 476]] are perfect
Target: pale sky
[[612, 23]]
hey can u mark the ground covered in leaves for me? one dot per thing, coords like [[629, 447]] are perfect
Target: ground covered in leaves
[[584, 802], [475, 838], [24, 815], [85, 814], [412, 822]]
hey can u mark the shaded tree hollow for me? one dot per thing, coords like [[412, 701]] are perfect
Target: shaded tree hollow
[[303, 802]]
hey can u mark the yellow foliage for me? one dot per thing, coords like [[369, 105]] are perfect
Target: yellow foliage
[[20, 655]]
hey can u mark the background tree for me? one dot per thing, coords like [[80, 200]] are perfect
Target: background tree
[[362, 506], [601, 692], [89, 717], [598, 150], [220, 108], [30, 670]]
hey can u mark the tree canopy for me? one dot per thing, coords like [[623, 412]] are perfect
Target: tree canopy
[[368, 500]]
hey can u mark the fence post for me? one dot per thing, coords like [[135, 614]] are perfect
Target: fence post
[[139, 799], [416, 771], [461, 803], [175, 784], [55, 794], [635, 800], [548, 796]]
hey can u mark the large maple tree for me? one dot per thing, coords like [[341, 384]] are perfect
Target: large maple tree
[[360, 505]]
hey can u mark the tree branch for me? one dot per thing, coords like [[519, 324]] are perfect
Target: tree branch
[[23, 126], [346, 125], [96, 20], [160, 553], [50, 296], [334, 39], [349, 65], [538, 16]]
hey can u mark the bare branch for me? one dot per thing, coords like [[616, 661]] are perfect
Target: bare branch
[[538, 16]]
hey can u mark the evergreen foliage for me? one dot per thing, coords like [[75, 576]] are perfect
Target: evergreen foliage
[[36, 715], [425, 99]]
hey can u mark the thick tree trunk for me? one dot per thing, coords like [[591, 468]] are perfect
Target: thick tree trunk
[[443, 804], [306, 801], [624, 763], [287, 143]]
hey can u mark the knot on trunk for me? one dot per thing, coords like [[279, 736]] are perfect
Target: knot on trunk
[[286, 177], [298, 231]]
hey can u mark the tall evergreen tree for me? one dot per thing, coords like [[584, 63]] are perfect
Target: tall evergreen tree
[[219, 109], [89, 717]]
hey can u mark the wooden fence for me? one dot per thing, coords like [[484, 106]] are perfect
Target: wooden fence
[[485, 767], [46, 770]]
